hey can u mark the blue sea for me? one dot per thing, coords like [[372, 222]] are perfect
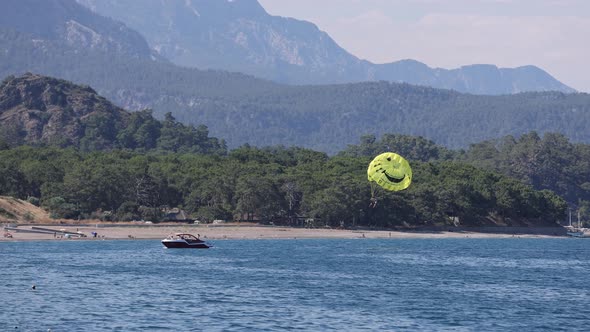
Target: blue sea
[[513, 284]]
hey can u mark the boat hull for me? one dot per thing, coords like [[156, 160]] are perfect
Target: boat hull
[[578, 234], [181, 244]]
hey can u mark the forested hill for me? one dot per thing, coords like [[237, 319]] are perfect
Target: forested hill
[[328, 118], [42, 110], [39, 110]]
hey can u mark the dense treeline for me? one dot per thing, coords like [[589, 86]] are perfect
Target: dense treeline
[[550, 162], [291, 186], [140, 132], [144, 133]]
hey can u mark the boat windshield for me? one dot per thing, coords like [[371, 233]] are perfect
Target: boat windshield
[[188, 237]]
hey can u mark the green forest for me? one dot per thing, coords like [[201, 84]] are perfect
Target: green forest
[[509, 181]]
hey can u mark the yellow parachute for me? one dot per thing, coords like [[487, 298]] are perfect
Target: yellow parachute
[[390, 171]]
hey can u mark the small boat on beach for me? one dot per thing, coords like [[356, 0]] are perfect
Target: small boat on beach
[[184, 240], [578, 232]]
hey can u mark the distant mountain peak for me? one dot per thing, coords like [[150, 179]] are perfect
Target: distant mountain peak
[[74, 24], [241, 36], [41, 92]]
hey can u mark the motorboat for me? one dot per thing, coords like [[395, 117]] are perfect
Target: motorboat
[[184, 240]]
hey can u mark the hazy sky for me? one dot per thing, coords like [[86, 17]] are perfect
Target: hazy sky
[[551, 34]]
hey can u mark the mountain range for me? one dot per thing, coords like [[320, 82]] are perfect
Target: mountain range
[[47, 39], [241, 36]]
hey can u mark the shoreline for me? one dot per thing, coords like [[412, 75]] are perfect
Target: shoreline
[[252, 232]]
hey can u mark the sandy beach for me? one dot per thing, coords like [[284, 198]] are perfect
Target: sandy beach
[[232, 231]]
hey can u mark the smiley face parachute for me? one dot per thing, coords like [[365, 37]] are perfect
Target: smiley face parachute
[[390, 171]]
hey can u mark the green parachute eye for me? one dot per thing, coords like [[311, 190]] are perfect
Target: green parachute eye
[[390, 171]]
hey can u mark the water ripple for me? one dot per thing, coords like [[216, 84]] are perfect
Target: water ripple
[[307, 285]]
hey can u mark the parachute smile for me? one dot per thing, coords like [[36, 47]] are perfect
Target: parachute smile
[[392, 179]]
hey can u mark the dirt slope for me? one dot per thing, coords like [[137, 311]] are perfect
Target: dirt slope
[[14, 210]]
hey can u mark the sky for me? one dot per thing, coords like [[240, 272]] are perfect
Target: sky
[[553, 35]]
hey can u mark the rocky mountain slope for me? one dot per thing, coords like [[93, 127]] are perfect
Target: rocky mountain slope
[[42, 110], [241, 36], [51, 21]]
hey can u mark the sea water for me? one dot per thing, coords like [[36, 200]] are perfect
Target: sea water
[[513, 284]]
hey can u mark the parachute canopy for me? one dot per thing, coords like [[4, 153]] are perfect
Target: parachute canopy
[[391, 171]]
